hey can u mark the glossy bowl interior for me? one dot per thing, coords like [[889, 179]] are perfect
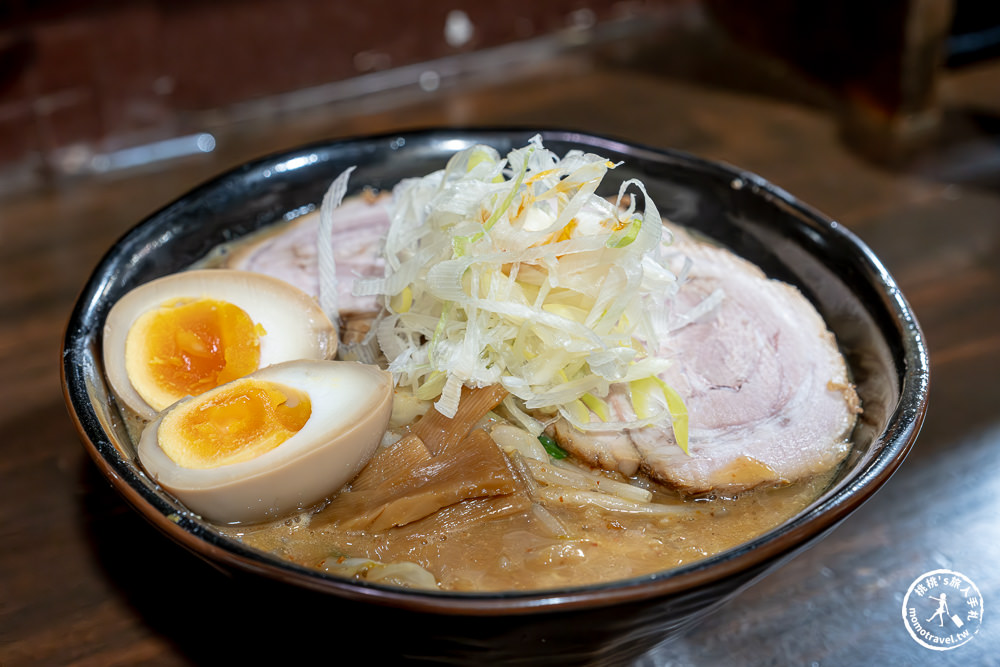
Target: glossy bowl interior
[[852, 290]]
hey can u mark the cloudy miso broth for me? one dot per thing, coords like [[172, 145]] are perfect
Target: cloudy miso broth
[[519, 553]]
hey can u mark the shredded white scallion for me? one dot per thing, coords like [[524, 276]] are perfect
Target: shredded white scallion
[[328, 300], [516, 271]]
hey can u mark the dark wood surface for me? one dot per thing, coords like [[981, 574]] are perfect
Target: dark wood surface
[[85, 581]]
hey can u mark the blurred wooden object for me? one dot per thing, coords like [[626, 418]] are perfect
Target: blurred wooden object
[[881, 60]]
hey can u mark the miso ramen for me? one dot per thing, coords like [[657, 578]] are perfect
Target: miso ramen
[[580, 391]]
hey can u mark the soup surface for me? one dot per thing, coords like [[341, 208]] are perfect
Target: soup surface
[[518, 553]]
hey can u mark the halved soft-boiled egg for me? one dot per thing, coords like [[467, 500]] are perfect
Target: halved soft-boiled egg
[[271, 443], [188, 332]]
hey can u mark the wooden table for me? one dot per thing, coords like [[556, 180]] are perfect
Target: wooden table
[[85, 581]]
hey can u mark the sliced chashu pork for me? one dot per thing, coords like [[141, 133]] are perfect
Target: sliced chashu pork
[[765, 386], [360, 223]]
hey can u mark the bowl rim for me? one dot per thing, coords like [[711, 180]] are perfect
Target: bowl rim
[[894, 442]]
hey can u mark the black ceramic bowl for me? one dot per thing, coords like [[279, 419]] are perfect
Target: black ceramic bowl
[[602, 623]]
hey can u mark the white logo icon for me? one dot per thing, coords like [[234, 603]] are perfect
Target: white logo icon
[[942, 610]]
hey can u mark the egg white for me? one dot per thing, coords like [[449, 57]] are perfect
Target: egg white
[[351, 405], [295, 326]]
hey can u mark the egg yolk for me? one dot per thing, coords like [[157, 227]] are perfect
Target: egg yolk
[[188, 346], [238, 422]]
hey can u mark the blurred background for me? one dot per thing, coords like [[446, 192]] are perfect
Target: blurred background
[[883, 114], [92, 87]]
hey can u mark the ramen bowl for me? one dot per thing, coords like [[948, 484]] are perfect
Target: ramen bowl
[[601, 624]]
